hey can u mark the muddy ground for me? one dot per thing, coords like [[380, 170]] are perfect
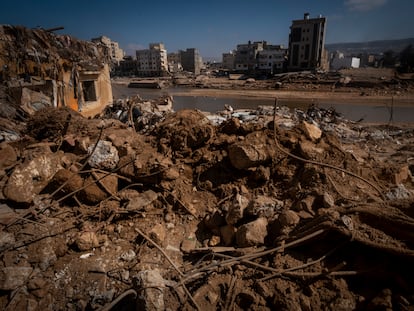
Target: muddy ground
[[267, 211]]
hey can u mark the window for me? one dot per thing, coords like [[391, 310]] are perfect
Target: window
[[307, 50], [296, 34], [295, 55], [89, 91]]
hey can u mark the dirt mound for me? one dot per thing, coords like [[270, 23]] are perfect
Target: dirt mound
[[185, 131], [279, 212]]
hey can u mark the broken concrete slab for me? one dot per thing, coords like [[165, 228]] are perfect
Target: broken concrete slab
[[244, 155], [31, 177], [311, 131], [252, 233], [255, 149], [104, 156], [32, 101]]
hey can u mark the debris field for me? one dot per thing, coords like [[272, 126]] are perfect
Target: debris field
[[144, 208], [254, 210]]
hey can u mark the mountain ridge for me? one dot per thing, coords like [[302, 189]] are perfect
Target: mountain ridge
[[370, 47]]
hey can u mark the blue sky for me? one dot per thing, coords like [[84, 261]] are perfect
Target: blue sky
[[212, 26]]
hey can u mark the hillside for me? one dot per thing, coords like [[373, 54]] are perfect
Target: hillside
[[370, 47]]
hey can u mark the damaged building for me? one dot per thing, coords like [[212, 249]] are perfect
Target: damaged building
[[40, 69]]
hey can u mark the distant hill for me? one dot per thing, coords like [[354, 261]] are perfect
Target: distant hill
[[370, 47]]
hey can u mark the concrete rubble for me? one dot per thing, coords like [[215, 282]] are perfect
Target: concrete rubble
[[101, 211], [145, 208]]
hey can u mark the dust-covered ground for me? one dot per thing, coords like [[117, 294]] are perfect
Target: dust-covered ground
[[265, 210]]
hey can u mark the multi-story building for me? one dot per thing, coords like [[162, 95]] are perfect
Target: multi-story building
[[258, 58], [307, 44], [126, 67], [152, 62], [228, 60], [245, 59], [115, 52], [271, 59], [174, 62], [191, 60]]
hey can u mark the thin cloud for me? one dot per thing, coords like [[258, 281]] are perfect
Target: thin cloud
[[364, 5]]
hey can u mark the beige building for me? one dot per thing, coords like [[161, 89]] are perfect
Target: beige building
[[258, 57], [40, 73], [246, 56], [152, 62], [115, 52], [271, 59], [228, 60], [174, 62], [307, 44], [191, 60]]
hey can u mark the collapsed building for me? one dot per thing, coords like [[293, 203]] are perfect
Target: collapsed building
[[40, 69]]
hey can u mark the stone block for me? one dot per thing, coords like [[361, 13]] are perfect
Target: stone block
[[252, 233]]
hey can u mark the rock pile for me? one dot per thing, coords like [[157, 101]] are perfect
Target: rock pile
[[267, 210]]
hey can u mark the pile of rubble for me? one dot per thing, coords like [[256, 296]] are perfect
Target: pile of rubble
[[258, 210], [41, 69]]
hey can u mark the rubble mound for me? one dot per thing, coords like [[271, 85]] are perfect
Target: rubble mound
[[49, 125], [269, 210], [185, 130]]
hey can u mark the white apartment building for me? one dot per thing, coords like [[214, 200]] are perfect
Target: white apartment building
[[271, 59], [152, 62], [258, 57], [245, 57]]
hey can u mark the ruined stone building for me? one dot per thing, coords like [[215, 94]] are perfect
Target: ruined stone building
[[127, 67], [174, 62], [271, 59], [307, 44], [115, 52], [40, 69], [258, 57], [191, 60], [152, 62], [228, 60], [246, 56]]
